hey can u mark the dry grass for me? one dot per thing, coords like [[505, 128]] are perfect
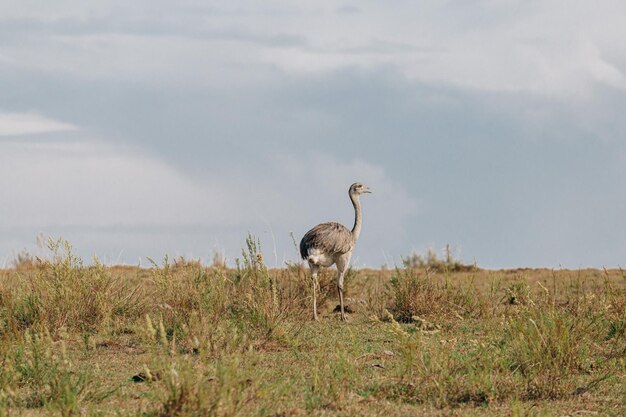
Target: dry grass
[[182, 339]]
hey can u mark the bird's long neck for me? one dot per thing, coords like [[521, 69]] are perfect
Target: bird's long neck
[[356, 230]]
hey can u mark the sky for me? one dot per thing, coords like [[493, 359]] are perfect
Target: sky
[[145, 128]]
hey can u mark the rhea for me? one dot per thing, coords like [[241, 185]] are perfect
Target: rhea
[[332, 243]]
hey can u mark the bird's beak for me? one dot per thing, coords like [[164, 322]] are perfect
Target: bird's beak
[[367, 190]]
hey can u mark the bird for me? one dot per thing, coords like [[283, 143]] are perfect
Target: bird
[[332, 243]]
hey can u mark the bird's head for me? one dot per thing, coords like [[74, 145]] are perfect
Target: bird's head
[[357, 189]]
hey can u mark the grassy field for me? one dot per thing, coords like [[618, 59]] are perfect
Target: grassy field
[[432, 338]]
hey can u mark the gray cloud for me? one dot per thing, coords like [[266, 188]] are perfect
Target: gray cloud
[[347, 9], [502, 138], [17, 124], [18, 30]]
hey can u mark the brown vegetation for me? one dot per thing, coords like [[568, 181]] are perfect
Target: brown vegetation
[[182, 339]]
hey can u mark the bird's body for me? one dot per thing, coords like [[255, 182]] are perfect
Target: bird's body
[[332, 243], [322, 244]]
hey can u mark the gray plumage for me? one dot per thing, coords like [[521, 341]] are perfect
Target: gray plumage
[[332, 243], [330, 237]]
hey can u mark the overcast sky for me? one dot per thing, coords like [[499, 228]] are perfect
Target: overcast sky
[[138, 129]]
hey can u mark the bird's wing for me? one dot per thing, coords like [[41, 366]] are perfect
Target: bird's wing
[[331, 238]]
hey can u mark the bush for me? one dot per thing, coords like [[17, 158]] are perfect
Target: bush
[[417, 293], [431, 261], [63, 292]]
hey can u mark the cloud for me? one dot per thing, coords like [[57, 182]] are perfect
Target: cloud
[[91, 193], [93, 184], [117, 202], [17, 124], [347, 9], [477, 124], [530, 47]]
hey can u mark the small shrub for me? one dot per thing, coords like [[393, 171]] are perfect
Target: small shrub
[[431, 261], [66, 293], [256, 294], [218, 260], [189, 298], [24, 261], [259, 302], [183, 291], [417, 293], [63, 292]]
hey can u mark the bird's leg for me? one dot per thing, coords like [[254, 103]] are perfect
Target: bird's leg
[[315, 285], [340, 288]]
